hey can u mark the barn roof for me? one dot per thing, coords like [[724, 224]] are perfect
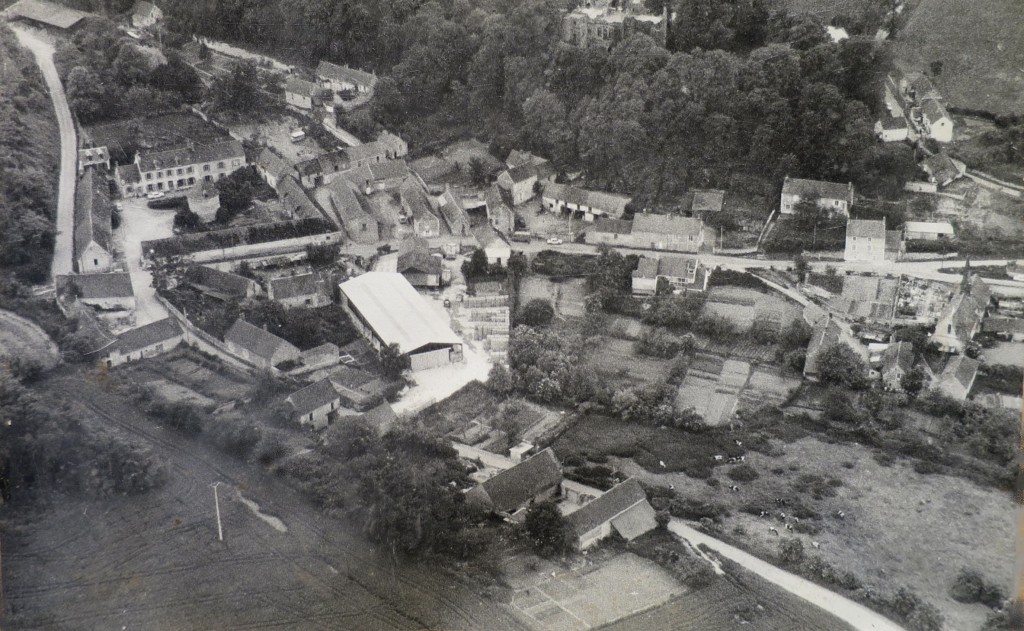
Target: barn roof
[[255, 340], [92, 214], [866, 228], [313, 396], [514, 487], [616, 501], [97, 286], [148, 334], [294, 286], [817, 188]]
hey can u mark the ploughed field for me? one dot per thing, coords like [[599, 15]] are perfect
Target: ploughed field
[[154, 561]]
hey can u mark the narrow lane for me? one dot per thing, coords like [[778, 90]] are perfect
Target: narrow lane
[[63, 250], [857, 615]]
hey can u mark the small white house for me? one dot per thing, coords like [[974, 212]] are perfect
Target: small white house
[[145, 341], [624, 509], [498, 251], [301, 93], [928, 230], [892, 129], [832, 196], [936, 120], [519, 182]]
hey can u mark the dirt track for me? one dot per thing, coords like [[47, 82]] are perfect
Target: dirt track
[[154, 562]]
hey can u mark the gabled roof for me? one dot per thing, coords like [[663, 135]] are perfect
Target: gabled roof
[[418, 261], [708, 201], [516, 158], [144, 8], [381, 416], [941, 167], [933, 110], [923, 88], [313, 397], [612, 203], [512, 488], [866, 228], [521, 173], [899, 355], [346, 202], [276, 166], [93, 155], [826, 333], [893, 122], [671, 266], [190, 155], [389, 170], [1003, 325], [893, 240], [961, 369], [222, 282], [667, 224], [327, 70], [326, 349], [453, 213], [496, 197], [46, 12], [255, 340], [92, 214], [147, 335], [616, 501], [296, 200], [294, 286], [301, 87], [128, 173], [416, 198], [807, 189], [396, 313], [98, 286], [613, 226]]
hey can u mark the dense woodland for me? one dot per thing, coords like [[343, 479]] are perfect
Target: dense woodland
[[29, 155], [740, 90]]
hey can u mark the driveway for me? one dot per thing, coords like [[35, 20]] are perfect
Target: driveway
[[856, 615], [63, 248], [140, 223]]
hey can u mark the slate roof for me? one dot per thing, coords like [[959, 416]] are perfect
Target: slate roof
[[708, 201], [313, 396], [933, 111], [274, 164], [667, 224], [512, 488], [294, 286], [346, 202], [613, 226], [324, 350], [416, 198], [899, 355], [941, 167], [389, 170], [191, 155], [522, 173], [893, 122], [128, 173], [420, 262], [147, 335], [225, 283], [517, 158], [301, 87], [453, 213], [328, 70], [611, 203], [967, 309], [97, 286], [92, 213], [254, 339], [923, 88], [673, 266], [815, 188], [93, 155], [382, 416], [614, 502], [866, 228], [1003, 325]]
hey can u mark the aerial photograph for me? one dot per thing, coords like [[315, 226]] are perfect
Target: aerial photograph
[[511, 315]]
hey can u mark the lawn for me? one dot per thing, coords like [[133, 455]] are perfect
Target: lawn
[[981, 46], [614, 358], [24, 339]]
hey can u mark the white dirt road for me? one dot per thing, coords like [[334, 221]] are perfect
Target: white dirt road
[[140, 223], [63, 248], [855, 614]]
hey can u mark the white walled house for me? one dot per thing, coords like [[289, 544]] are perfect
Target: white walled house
[[298, 291], [148, 340], [928, 230], [682, 273], [92, 221], [624, 509], [176, 169], [258, 347], [301, 93], [110, 291], [519, 183], [558, 198], [146, 14], [314, 404], [343, 79], [831, 196], [936, 120], [865, 240]]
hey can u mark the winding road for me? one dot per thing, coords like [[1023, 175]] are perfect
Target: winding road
[[856, 615], [63, 251]]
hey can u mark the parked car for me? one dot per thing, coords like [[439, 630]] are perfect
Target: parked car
[[555, 241], [155, 195]]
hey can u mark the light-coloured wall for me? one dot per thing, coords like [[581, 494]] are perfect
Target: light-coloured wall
[[283, 246], [116, 358]]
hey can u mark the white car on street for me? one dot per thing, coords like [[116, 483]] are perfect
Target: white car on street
[[555, 241], [155, 195]]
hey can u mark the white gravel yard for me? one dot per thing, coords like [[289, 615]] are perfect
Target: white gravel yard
[[140, 223]]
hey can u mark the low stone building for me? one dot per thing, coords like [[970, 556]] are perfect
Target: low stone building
[[147, 340], [259, 347], [314, 404]]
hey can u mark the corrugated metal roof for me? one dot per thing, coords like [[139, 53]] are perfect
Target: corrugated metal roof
[[397, 314]]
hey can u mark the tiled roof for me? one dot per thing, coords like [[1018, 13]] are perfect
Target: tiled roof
[[313, 396], [517, 158], [96, 286], [611, 203], [324, 350], [92, 213], [223, 282], [1003, 325], [328, 70], [866, 228], [961, 369], [294, 286], [191, 155], [807, 189], [389, 169], [147, 335], [619, 499], [923, 87], [416, 199], [381, 416], [346, 202], [93, 155], [514, 487], [893, 122], [47, 13], [274, 164], [899, 355], [684, 267], [667, 224], [301, 87], [296, 200], [453, 213], [522, 173], [933, 110], [941, 167], [254, 339], [613, 226], [827, 333], [128, 173], [419, 261]]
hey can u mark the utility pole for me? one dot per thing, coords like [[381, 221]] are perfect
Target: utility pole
[[216, 504]]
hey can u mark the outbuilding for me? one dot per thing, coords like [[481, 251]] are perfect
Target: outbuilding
[[314, 404], [624, 509], [147, 340]]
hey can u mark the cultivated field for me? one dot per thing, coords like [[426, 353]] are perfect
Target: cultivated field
[[742, 305], [566, 296], [614, 358], [981, 46], [154, 561], [900, 527], [729, 603], [186, 375], [23, 339]]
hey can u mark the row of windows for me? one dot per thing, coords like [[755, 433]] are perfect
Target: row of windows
[[189, 169]]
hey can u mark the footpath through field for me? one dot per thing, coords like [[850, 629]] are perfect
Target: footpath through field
[[855, 614], [63, 248]]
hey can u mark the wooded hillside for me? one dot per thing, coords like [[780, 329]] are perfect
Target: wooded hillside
[[29, 160]]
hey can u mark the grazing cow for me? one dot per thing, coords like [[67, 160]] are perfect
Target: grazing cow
[[671, 487], [734, 488], [782, 516], [743, 458], [739, 443], [661, 463], [773, 529], [789, 527], [840, 514], [815, 544]]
